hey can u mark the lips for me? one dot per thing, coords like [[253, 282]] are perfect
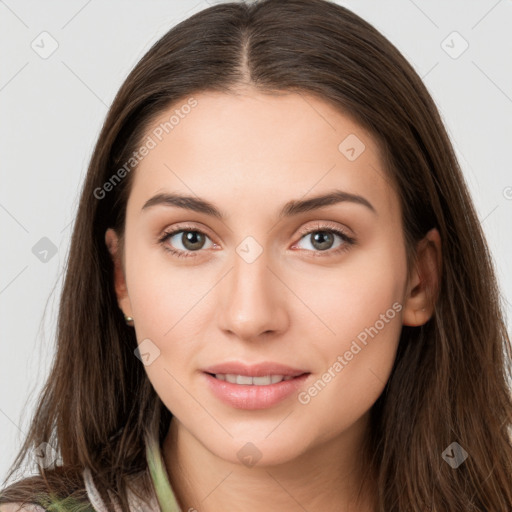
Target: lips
[[246, 380], [257, 386], [255, 370]]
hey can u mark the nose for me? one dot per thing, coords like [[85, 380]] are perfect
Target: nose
[[251, 301]]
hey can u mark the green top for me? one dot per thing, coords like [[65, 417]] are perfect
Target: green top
[[164, 492], [162, 500]]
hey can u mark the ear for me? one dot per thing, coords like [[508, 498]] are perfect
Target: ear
[[424, 281], [112, 242]]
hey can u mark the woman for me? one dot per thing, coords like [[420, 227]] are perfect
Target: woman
[[278, 294]]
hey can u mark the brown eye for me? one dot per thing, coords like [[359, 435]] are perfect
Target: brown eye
[[183, 242], [192, 240], [324, 239]]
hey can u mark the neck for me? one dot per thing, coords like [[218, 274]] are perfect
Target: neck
[[317, 479]]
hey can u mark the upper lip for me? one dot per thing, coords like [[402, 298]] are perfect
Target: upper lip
[[254, 370]]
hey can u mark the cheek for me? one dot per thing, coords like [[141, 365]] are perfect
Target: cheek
[[161, 291], [363, 313], [355, 376], [357, 361], [353, 295], [169, 312], [173, 307]]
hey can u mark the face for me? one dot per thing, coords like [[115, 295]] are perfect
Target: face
[[277, 283]]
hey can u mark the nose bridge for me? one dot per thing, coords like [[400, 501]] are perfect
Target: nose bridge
[[251, 301]]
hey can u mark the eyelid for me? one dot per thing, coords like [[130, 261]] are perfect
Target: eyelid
[[176, 228], [170, 232], [325, 225], [348, 241], [303, 231]]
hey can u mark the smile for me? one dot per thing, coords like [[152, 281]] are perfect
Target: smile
[[251, 393], [252, 381]]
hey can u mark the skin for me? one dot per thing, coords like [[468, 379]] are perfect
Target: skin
[[249, 153]]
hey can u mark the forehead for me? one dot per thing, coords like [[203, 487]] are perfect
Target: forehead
[[252, 144]]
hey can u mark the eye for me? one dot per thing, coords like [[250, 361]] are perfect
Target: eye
[[324, 238], [191, 239]]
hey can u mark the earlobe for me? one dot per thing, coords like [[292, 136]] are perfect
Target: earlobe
[[424, 282], [112, 243]]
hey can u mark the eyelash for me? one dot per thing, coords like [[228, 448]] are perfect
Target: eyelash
[[348, 240]]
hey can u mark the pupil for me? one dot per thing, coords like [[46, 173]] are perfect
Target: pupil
[[322, 240], [190, 238]]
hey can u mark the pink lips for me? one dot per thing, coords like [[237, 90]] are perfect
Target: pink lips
[[255, 370], [249, 396]]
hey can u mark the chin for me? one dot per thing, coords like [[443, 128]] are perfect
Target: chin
[[259, 449]]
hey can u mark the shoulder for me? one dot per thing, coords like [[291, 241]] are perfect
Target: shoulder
[[16, 507]]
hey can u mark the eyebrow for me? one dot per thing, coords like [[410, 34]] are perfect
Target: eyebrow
[[291, 208]]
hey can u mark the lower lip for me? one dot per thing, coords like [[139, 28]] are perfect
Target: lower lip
[[246, 396]]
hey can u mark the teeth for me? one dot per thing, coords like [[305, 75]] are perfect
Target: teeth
[[255, 381], [243, 379]]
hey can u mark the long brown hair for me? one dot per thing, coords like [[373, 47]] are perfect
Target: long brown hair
[[451, 377]]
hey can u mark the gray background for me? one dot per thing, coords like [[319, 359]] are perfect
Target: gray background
[[51, 111]]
